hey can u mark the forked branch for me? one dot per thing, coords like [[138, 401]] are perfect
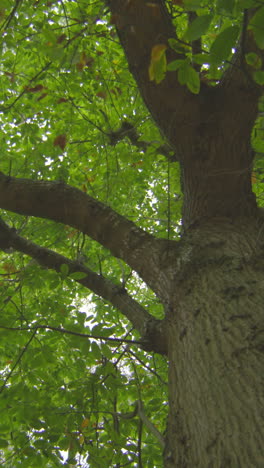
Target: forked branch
[[103, 287], [68, 205]]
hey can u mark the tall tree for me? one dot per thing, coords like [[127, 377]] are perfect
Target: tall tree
[[127, 243]]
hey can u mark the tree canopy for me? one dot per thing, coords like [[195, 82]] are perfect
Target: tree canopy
[[89, 178]]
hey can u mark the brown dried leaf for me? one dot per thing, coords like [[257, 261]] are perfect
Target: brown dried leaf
[[60, 141]]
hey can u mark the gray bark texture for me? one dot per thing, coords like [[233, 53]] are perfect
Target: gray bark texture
[[216, 365], [211, 282]]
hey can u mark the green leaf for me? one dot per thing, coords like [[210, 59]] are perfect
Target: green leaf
[[3, 443], [200, 58], [96, 350], [183, 72], [106, 351], [225, 6], [259, 77], [223, 44], [64, 269], [193, 80], [198, 27], [62, 174], [175, 65], [192, 5], [59, 80], [78, 275], [253, 60], [242, 4], [187, 75], [178, 46], [257, 25]]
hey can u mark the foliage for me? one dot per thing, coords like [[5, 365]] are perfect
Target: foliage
[[66, 93]]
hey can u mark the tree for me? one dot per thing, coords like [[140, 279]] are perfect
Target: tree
[[127, 242]]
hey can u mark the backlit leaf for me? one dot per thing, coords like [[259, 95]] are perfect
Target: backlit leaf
[[198, 27], [223, 44]]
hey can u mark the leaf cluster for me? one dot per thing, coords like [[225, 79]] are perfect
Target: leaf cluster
[[66, 399]]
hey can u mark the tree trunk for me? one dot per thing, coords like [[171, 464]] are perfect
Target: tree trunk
[[217, 158], [216, 349]]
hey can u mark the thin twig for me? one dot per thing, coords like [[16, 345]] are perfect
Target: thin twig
[[18, 359], [70, 332], [10, 16]]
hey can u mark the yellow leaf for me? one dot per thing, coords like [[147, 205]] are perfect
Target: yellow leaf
[[151, 71], [158, 63], [85, 423], [157, 52]]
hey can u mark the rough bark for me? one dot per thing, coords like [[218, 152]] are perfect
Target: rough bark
[[211, 131], [68, 205], [211, 282], [215, 311], [216, 350]]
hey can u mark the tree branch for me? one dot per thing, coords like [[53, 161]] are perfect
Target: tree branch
[[128, 130], [197, 44], [141, 25], [64, 331], [181, 115], [17, 361], [68, 205], [139, 409], [11, 15], [115, 294]]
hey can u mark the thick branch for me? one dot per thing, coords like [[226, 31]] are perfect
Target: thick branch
[[128, 130], [197, 44], [115, 294], [68, 205], [182, 116], [141, 25]]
